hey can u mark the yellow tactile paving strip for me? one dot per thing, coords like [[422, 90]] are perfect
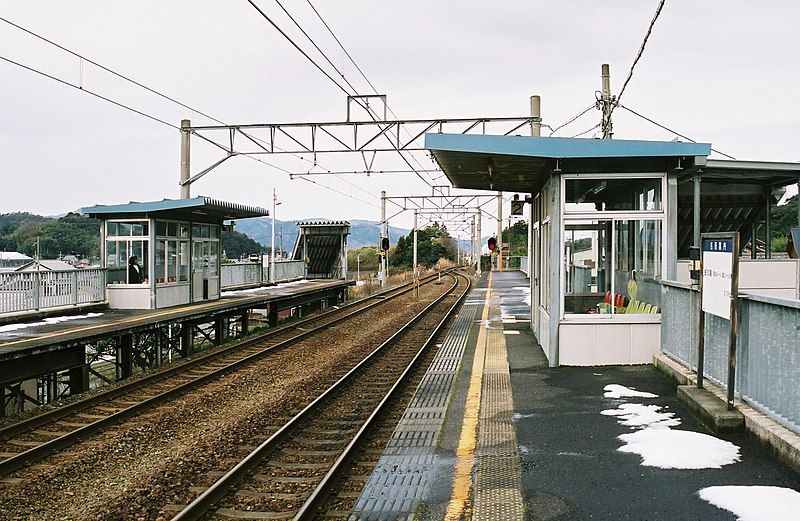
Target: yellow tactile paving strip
[[498, 483], [488, 442]]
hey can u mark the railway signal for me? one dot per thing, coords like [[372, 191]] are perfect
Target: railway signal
[[492, 243]]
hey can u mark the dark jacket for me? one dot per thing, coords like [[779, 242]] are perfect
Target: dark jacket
[[135, 275]]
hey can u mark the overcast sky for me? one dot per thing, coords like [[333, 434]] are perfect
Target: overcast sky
[[725, 72]]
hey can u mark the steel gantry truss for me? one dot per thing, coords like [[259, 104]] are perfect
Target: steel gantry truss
[[461, 212], [366, 138]]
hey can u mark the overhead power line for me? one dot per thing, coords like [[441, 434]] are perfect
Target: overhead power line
[[147, 88], [87, 91], [638, 57], [573, 118], [649, 120]]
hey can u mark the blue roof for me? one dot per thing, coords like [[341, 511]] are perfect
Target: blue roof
[[561, 147], [200, 204]]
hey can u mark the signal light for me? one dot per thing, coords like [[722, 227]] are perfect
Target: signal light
[[385, 243], [492, 243]]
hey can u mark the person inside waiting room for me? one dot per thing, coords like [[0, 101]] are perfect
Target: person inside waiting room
[[135, 275]]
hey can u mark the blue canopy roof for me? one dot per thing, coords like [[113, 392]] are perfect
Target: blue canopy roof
[[197, 206], [562, 147], [523, 163]]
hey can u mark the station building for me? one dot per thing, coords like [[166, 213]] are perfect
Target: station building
[[176, 242], [611, 222]]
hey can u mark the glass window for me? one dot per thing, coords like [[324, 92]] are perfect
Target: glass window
[[161, 271], [161, 229], [137, 229], [592, 194], [139, 249], [112, 229], [205, 232], [172, 229], [124, 229], [183, 268], [587, 267], [196, 231], [184, 231], [638, 266], [172, 261]]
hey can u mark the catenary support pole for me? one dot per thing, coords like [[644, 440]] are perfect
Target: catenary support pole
[[696, 211], [478, 245], [185, 159], [415, 245], [272, 241], [767, 222], [500, 231], [384, 233]]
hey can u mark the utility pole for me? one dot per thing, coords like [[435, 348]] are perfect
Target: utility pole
[[358, 267], [606, 101], [500, 231], [384, 233], [185, 173], [536, 112], [272, 243]]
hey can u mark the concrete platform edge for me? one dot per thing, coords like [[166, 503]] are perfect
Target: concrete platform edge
[[711, 410], [783, 441]]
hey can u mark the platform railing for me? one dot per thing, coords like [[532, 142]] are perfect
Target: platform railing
[[22, 291], [252, 274], [768, 347], [524, 265]]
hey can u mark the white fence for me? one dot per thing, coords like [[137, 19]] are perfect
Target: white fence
[[768, 347], [34, 290], [253, 274]]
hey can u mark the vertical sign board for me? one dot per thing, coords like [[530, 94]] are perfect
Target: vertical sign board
[[719, 291], [717, 276]]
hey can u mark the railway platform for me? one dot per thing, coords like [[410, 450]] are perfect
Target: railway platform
[[43, 360], [494, 433]]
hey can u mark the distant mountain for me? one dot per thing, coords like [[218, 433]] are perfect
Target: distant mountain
[[362, 233]]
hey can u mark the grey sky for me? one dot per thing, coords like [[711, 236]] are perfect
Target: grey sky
[[720, 71]]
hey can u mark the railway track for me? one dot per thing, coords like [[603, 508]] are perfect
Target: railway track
[[293, 472], [34, 438]]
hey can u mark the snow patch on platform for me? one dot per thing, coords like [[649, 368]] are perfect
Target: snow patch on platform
[[620, 391], [640, 415], [47, 321], [674, 449], [755, 503]]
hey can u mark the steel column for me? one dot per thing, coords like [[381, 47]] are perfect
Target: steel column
[[185, 159]]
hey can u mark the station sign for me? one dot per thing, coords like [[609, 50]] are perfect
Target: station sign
[[517, 207], [718, 275]]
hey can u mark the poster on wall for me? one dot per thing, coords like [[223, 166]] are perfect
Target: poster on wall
[[718, 275]]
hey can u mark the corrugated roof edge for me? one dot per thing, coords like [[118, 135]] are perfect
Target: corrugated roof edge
[[171, 204], [323, 222]]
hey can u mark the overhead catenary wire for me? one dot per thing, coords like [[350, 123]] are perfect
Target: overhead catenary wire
[[335, 190], [324, 72], [118, 74], [579, 134], [363, 75], [92, 93], [649, 120]]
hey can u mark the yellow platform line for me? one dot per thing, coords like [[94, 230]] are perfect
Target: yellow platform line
[[459, 503]]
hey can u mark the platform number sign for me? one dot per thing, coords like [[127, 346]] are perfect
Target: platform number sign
[[517, 207], [718, 272]]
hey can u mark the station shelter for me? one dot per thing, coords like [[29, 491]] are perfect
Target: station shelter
[[610, 220], [176, 243], [322, 244]]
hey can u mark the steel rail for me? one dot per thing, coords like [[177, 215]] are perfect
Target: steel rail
[[322, 491], [220, 488], [38, 452], [44, 418]]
